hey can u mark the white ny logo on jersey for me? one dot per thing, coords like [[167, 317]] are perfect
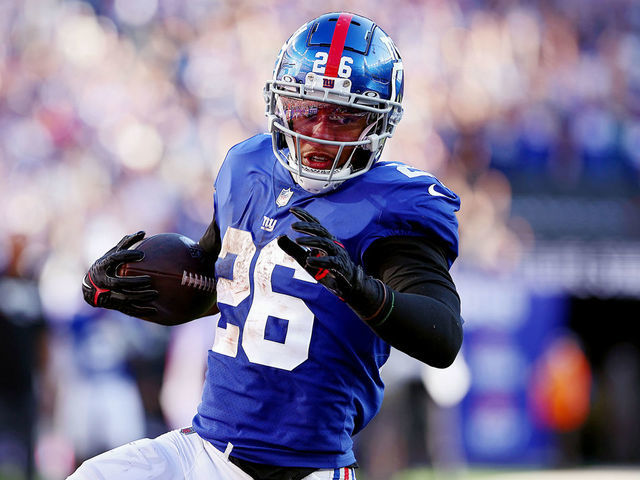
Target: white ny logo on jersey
[[268, 224]]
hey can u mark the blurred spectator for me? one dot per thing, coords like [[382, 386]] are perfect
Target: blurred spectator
[[23, 354], [184, 370], [98, 385]]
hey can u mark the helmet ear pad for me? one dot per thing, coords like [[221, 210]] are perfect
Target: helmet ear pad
[[281, 142], [359, 159]]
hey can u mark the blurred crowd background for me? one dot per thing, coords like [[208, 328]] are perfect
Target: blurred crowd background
[[115, 116]]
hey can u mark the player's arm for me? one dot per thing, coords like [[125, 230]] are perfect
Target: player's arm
[[417, 311], [424, 321], [211, 243]]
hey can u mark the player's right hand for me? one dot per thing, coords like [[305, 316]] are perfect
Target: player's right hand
[[103, 287]]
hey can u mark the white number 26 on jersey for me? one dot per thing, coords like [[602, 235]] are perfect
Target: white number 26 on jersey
[[265, 303]]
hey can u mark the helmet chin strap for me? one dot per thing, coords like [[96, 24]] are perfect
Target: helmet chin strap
[[312, 185]]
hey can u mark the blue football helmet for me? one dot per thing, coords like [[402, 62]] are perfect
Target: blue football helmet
[[346, 61]]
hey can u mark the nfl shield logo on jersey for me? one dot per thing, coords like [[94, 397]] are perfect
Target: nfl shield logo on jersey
[[284, 197]]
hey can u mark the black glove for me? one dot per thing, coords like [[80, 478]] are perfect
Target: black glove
[[103, 287], [326, 259]]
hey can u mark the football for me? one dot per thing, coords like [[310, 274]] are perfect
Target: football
[[181, 272]]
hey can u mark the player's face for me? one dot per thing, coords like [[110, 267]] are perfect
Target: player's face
[[327, 122]]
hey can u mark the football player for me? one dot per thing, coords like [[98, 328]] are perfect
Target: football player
[[325, 257]]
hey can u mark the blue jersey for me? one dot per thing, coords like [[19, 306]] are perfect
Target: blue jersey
[[293, 372]]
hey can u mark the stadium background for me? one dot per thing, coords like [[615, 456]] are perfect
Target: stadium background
[[115, 115]]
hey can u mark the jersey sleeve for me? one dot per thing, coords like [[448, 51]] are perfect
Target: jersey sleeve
[[415, 204]]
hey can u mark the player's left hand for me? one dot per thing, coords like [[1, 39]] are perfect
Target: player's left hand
[[327, 260], [324, 257]]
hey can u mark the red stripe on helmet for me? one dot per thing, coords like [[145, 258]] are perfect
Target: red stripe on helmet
[[337, 44]]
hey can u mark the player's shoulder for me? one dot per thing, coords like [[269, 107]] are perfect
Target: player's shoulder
[[249, 147], [406, 202], [249, 153], [399, 173], [250, 156], [401, 183]]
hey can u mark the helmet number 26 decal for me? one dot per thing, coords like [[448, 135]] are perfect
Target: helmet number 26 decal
[[344, 70]]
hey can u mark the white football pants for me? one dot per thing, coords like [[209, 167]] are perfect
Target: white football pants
[[176, 456]]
